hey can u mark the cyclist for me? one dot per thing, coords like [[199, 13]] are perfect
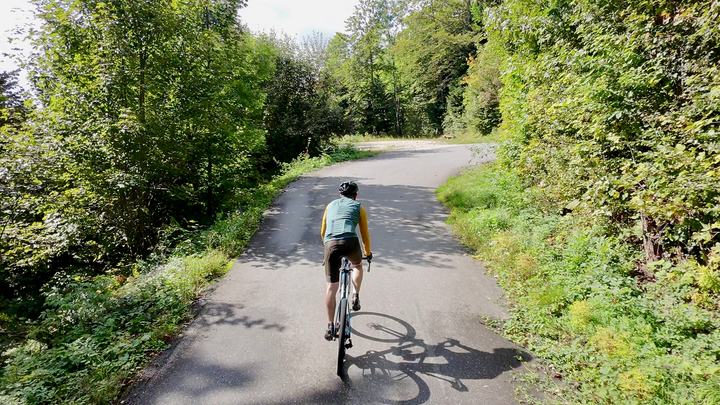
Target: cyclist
[[340, 219]]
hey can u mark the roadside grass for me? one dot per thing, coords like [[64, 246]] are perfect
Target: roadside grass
[[356, 138], [575, 302], [474, 137], [460, 139], [98, 333]]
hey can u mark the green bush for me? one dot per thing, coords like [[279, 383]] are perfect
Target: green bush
[[97, 332], [575, 302], [613, 108]]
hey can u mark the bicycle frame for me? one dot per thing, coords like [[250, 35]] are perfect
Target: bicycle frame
[[345, 289], [342, 327]]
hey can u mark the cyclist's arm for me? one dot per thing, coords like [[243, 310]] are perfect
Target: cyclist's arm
[[322, 227], [364, 230]]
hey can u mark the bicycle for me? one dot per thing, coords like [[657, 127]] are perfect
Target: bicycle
[[342, 330]]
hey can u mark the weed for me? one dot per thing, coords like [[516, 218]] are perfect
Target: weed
[[574, 302]]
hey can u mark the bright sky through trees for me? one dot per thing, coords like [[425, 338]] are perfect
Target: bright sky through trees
[[297, 18], [13, 14]]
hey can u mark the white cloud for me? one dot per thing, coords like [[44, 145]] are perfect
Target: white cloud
[[298, 18], [14, 14]]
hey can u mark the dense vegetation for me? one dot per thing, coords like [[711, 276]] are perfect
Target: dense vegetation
[[154, 133], [576, 303], [614, 108], [601, 218]]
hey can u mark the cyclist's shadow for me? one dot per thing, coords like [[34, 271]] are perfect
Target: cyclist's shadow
[[409, 357]]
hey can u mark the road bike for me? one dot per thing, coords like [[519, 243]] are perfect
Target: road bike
[[342, 314]]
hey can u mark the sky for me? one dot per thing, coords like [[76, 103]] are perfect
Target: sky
[[13, 14], [298, 18]]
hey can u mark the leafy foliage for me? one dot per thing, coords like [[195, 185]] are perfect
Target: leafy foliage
[[434, 48], [615, 108], [402, 64], [300, 116], [362, 63], [148, 114], [481, 97], [574, 300], [96, 333], [12, 103]]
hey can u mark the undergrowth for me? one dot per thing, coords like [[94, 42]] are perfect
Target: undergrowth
[[575, 302], [460, 138], [96, 334], [475, 137], [373, 138]]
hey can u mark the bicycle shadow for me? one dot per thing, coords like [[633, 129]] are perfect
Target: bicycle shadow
[[448, 362]]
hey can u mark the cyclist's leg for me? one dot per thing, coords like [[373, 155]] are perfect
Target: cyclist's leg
[[357, 277], [355, 257], [332, 261], [330, 302]]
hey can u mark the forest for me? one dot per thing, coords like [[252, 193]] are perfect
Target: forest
[[155, 133]]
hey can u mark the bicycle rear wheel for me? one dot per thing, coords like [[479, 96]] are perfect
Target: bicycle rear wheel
[[342, 336]]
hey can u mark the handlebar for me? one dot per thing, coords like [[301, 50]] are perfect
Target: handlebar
[[369, 260]]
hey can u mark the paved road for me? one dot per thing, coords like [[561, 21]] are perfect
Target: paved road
[[418, 339]]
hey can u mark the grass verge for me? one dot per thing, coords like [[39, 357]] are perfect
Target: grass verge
[[353, 138], [474, 137], [98, 333], [575, 302], [461, 139]]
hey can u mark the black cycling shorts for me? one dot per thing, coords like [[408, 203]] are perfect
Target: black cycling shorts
[[335, 250]]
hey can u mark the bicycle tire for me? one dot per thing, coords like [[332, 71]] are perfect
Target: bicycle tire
[[342, 336]]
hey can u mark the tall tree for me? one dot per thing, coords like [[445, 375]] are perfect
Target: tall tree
[[299, 114], [433, 48], [362, 61], [156, 108], [314, 51]]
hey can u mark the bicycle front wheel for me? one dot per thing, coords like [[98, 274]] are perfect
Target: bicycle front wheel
[[342, 337]]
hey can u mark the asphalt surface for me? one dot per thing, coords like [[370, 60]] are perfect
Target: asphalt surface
[[419, 338]]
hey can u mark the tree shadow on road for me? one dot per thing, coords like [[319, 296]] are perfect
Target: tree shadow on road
[[197, 387], [206, 377], [219, 313], [406, 226]]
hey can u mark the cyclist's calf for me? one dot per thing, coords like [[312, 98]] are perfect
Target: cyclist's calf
[[332, 289], [357, 277]]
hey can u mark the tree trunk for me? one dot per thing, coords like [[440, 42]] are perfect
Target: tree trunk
[[651, 239], [396, 96]]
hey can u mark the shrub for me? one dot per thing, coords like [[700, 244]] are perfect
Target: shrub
[[574, 301]]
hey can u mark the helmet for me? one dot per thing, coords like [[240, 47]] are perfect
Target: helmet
[[348, 188]]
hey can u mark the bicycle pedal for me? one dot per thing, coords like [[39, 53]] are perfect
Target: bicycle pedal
[[348, 344]]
